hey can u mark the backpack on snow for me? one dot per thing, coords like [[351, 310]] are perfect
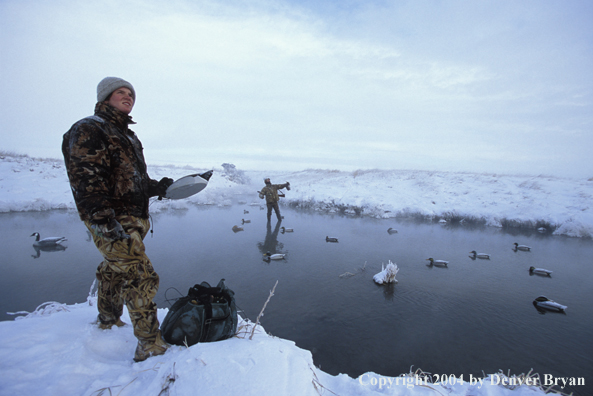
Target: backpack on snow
[[206, 314]]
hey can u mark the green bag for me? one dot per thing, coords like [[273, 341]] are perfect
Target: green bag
[[206, 314]]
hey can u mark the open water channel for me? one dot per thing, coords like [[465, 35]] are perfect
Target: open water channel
[[474, 317]]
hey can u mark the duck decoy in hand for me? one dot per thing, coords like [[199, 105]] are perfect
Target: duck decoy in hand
[[475, 255], [391, 231], [387, 274], [546, 303], [276, 256], [283, 230], [521, 247], [540, 271], [328, 239], [46, 242], [441, 263]]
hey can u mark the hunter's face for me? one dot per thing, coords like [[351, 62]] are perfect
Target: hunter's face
[[122, 100]]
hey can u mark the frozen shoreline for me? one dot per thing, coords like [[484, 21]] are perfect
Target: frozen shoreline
[[555, 205]]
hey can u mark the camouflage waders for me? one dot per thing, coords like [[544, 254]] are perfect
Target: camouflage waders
[[126, 276]]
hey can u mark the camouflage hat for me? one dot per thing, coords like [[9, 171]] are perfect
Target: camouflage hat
[[110, 84]]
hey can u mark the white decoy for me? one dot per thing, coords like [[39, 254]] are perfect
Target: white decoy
[[522, 247], [276, 256], [391, 231], [479, 255], [546, 303], [328, 239], [441, 263], [540, 271], [283, 230], [50, 241], [387, 274]]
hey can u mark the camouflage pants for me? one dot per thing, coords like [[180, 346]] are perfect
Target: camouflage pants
[[126, 276], [273, 205]]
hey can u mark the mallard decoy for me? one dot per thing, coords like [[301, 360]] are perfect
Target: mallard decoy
[[245, 211], [243, 221], [283, 230], [475, 255], [521, 247], [328, 239], [387, 274], [546, 303], [391, 231], [276, 256], [236, 228], [441, 263], [46, 242], [540, 271]]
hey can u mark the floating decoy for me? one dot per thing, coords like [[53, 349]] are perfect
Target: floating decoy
[[283, 230], [243, 221], [546, 303], [276, 256], [328, 239], [387, 274], [441, 263], [540, 271], [237, 228], [391, 231], [46, 242], [245, 211], [479, 255], [521, 247]]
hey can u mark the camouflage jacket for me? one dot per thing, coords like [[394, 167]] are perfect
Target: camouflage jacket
[[106, 166], [271, 192]]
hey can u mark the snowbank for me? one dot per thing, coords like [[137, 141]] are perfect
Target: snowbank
[[560, 206]]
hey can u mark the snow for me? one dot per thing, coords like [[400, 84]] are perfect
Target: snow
[[58, 350]]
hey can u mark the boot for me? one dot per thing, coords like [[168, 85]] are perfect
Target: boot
[[146, 349], [108, 326]]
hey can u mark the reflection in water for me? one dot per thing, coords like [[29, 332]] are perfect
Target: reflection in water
[[54, 248], [270, 243]]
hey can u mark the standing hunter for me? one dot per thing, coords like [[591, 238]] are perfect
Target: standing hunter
[[111, 188], [270, 192]]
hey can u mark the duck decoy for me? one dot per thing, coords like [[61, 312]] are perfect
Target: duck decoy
[[243, 221], [46, 242], [475, 255], [546, 303], [441, 263], [328, 239], [391, 231], [521, 247], [237, 228], [387, 274], [276, 256], [245, 211], [540, 271], [283, 230]]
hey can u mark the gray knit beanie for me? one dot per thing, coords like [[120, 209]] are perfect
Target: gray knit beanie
[[110, 84]]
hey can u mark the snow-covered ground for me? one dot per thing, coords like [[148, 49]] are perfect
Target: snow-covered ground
[[58, 351]]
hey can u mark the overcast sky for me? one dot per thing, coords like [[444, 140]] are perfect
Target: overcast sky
[[500, 86]]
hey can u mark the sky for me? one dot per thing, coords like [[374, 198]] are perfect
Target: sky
[[479, 86]]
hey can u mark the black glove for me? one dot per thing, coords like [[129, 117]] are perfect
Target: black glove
[[110, 230], [206, 175], [161, 187]]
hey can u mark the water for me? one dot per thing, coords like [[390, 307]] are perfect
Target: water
[[474, 316]]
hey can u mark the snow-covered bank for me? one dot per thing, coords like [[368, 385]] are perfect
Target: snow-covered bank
[[561, 206], [58, 350]]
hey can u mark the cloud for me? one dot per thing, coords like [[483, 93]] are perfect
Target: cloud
[[275, 84]]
